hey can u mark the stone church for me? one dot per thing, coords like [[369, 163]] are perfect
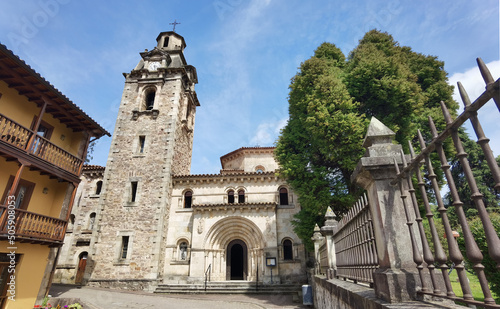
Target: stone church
[[144, 220]]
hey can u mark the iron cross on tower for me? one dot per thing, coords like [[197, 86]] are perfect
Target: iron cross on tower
[[174, 23]]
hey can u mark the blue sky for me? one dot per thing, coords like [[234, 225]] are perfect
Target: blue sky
[[245, 52]]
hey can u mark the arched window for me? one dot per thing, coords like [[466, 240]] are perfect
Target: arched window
[[283, 196], [150, 100], [260, 169], [230, 196], [98, 187], [287, 249], [92, 221], [188, 199], [183, 251], [241, 196]]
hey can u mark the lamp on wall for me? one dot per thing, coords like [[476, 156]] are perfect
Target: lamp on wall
[[45, 190]]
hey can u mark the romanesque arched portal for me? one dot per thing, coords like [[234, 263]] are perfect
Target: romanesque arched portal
[[234, 247]]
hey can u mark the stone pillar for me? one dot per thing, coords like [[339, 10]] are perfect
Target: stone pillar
[[327, 230], [317, 238], [396, 279]]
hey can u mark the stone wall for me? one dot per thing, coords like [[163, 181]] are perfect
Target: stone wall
[[79, 231], [335, 293], [184, 136]]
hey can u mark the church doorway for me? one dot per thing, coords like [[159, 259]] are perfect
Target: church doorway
[[237, 260]]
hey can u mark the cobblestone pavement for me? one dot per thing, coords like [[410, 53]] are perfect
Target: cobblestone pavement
[[114, 299]]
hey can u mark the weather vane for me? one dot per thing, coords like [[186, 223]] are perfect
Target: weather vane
[[174, 23]]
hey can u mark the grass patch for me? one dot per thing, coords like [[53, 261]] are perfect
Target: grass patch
[[475, 287]]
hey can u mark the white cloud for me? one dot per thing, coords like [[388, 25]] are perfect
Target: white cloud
[[267, 132], [488, 115]]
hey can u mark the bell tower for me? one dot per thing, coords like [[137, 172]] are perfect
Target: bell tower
[[152, 141]]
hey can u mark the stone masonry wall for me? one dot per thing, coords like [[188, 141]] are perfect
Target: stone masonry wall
[[142, 220], [79, 232], [335, 293], [183, 147]]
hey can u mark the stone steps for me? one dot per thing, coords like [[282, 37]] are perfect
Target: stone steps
[[228, 287]]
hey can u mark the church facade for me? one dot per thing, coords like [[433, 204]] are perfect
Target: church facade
[[144, 220]]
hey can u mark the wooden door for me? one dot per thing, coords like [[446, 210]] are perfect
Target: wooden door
[[81, 268]]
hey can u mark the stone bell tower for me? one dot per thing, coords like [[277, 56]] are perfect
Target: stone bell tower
[[152, 141]]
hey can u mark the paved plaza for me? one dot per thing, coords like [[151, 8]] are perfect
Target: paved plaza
[[98, 298]]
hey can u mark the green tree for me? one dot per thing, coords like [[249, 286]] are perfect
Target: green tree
[[320, 145], [90, 152], [331, 100], [398, 86]]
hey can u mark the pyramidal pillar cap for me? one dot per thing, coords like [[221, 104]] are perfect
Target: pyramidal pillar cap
[[378, 133], [329, 213]]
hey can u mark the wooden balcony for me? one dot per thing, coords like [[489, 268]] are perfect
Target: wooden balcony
[[20, 142], [32, 227]]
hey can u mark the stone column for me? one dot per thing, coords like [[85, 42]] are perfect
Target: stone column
[[396, 279]]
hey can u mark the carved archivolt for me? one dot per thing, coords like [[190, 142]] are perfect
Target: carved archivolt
[[231, 228]]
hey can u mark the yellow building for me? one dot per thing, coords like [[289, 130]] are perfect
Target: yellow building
[[43, 143]]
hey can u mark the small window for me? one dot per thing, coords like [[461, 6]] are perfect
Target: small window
[[230, 197], [165, 42], [241, 196], [183, 251], [287, 249], [92, 221], [133, 193], [124, 249], [142, 142], [71, 222], [188, 199], [283, 196], [44, 130], [98, 187], [188, 109], [150, 100], [260, 169]]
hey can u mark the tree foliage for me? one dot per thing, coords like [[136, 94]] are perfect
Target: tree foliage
[[331, 100], [319, 147], [90, 152]]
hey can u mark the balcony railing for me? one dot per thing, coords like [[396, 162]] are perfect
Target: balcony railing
[[32, 227], [26, 140]]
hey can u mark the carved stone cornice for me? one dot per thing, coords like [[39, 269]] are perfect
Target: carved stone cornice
[[234, 207]]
